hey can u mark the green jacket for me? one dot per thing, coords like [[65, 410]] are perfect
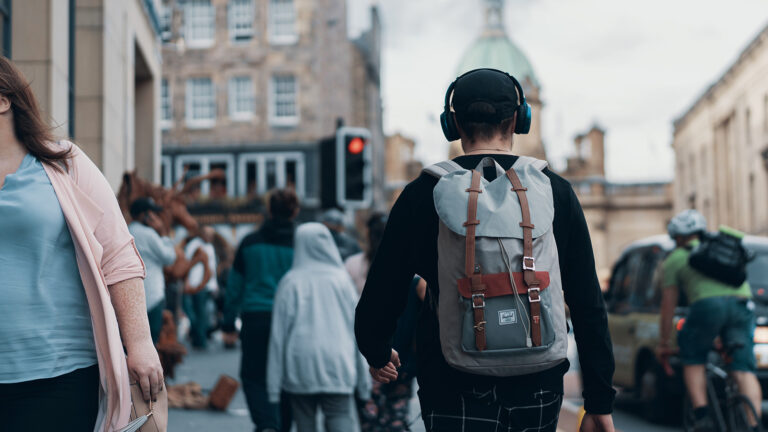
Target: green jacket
[[261, 261]]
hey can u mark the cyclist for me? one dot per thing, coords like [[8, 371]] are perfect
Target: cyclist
[[716, 309]]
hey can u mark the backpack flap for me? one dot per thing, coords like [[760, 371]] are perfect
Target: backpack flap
[[496, 201]]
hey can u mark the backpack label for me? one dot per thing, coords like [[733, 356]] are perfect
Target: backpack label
[[508, 316]]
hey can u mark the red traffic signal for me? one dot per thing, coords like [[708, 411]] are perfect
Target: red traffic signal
[[356, 145]]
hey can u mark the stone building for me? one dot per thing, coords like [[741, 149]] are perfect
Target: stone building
[[94, 66], [721, 146], [494, 49], [251, 87], [617, 213], [401, 165]]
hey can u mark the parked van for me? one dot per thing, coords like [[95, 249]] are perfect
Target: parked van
[[633, 300]]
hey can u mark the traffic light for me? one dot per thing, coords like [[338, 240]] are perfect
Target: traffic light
[[353, 167]]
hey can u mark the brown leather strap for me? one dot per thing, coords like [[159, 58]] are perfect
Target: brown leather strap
[[471, 224], [499, 284], [476, 281], [529, 265]]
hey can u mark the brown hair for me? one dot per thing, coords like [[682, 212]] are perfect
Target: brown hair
[[485, 131], [283, 203], [28, 125]]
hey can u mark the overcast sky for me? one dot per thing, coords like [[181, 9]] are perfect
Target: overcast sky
[[632, 67]]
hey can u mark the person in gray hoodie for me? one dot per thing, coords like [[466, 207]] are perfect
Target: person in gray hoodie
[[312, 351]]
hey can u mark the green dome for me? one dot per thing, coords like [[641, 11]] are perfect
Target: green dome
[[498, 52]]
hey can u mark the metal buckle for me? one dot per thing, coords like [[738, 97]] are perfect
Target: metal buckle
[[532, 266], [474, 306], [538, 292]]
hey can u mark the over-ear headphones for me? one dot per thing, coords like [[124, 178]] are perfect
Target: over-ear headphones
[[448, 120]]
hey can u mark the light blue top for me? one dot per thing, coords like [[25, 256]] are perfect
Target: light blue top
[[157, 252], [45, 324]]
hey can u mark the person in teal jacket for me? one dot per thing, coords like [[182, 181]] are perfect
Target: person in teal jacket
[[262, 259]]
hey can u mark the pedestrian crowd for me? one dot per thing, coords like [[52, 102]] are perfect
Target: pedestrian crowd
[[446, 290]]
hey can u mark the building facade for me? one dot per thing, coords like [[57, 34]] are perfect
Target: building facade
[[401, 165], [617, 214], [251, 87], [94, 66], [721, 146]]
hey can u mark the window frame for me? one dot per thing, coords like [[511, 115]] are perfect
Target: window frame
[[205, 161], [274, 118], [275, 28], [232, 98], [280, 159], [165, 18], [235, 32], [189, 25], [189, 102], [166, 163], [166, 103]]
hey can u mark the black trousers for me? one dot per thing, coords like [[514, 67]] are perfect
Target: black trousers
[[254, 337], [67, 402], [489, 410]]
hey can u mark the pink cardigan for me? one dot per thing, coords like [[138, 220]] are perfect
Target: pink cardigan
[[106, 254]]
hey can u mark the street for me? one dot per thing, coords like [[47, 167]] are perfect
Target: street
[[204, 367]]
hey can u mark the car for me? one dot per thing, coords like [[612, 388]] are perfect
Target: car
[[633, 301]]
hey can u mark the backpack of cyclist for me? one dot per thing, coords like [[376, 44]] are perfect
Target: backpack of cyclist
[[722, 257], [500, 310]]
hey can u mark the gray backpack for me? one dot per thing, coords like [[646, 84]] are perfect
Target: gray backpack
[[500, 309]]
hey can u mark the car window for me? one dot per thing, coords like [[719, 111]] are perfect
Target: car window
[[757, 275], [623, 298], [648, 285], [757, 271]]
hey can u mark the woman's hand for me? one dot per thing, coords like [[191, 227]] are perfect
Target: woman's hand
[[143, 361], [144, 368]]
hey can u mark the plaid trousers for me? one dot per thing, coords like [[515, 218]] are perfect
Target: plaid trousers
[[475, 411]]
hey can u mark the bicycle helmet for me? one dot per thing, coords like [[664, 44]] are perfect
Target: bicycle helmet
[[686, 223]]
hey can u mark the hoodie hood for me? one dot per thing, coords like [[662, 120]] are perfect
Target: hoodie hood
[[314, 246]]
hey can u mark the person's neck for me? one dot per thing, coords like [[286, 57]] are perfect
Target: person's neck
[[497, 145], [10, 146]]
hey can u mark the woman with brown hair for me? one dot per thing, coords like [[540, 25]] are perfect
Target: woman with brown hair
[[73, 324]]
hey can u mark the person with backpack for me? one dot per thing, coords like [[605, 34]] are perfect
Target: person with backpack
[[262, 259], [503, 246], [716, 308]]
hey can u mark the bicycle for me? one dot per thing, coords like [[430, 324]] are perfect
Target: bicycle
[[730, 411]]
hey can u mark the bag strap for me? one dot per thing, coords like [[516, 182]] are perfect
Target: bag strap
[[529, 264], [440, 169], [471, 270]]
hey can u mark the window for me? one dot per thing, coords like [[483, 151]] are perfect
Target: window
[[165, 171], [202, 164], [201, 106], [240, 20], [261, 172], [747, 126], [282, 22], [166, 20], [283, 109], [241, 98], [166, 107], [199, 23]]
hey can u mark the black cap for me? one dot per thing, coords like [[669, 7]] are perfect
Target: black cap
[[141, 205], [484, 96]]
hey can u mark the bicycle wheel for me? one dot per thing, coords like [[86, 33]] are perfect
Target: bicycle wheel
[[742, 415]]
